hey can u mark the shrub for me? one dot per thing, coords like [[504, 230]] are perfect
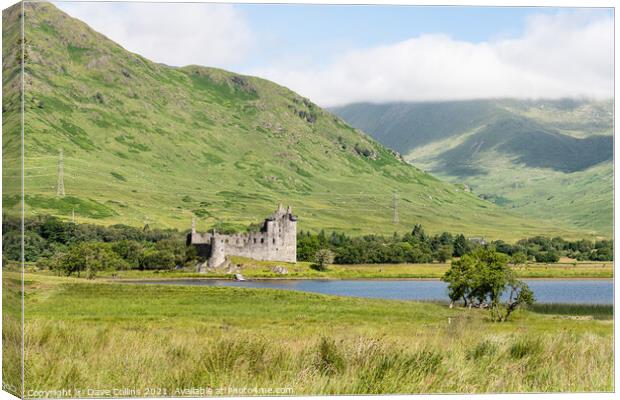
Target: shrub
[[322, 258]]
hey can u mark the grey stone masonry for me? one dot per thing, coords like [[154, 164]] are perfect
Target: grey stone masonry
[[276, 241]]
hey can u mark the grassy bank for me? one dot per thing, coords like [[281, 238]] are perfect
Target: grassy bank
[[82, 334], [303, 270]]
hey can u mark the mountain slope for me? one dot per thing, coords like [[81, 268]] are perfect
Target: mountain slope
[[543, 159], [147, 143]]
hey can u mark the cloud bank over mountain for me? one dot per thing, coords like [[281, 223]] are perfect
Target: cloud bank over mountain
[[563, 54]]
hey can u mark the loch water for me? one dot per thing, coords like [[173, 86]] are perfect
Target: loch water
[[578, 291]]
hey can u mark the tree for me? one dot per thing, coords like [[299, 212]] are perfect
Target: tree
[[550, 256], [54, 230], [518, 259], [158, 259], [461, 246], [418, 233], [444, 253], [520, 294], [130, 251], [177, 247], [460, 281], [322, 258], [307, 246], [602, 254], [88, 257], [481, 277], [34, 245]]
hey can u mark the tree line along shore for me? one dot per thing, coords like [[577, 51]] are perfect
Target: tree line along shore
[[88, 250]]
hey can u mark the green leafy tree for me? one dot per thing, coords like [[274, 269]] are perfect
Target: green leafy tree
[[460, 281], [444, 253], [34, 245], [461, 246], [322, 259], [89, 258], [481, 277], [520, 295], [418, 233], [307, 246], [518, 259], [130, 251], [550, 256], [178, 248], [158, 259]]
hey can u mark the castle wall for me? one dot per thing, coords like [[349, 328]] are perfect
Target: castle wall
[[277, 241]]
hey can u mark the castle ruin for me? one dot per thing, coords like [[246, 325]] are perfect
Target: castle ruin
[[276, 241]]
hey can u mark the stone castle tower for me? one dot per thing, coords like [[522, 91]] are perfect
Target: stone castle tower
[[276, 241]]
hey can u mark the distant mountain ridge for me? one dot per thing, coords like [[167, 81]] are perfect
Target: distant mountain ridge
[[147, 144], [513, 152], [531, 144]]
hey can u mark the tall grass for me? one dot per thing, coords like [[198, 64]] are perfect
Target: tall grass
[[11, 333], [81, 334], [59, 356], [596, 311]]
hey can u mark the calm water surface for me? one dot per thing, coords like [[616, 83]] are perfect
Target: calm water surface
[[591, 291]]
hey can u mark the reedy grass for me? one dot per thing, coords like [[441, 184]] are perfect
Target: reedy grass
[[59, 356], [11, 333], [596, 311], [81, 334]]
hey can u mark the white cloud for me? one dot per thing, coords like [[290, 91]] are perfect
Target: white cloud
[[561, 55], [568, 54], [174, 34]]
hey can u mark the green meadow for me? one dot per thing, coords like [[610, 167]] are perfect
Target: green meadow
[[84, 334]]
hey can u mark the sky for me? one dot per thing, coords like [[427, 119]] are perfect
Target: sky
[[337, 55]]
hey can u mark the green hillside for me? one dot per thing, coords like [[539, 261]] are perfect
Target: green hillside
[[542, 159], [145, 143]]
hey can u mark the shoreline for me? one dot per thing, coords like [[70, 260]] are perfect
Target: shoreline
[[212, 278]]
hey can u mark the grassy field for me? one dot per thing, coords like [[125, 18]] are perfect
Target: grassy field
[[82, 334], [303, 270]]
